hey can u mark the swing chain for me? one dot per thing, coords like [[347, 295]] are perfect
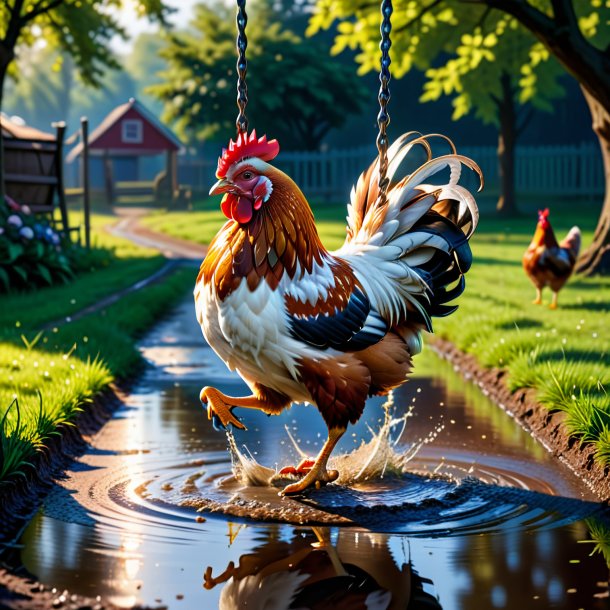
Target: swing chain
[[383, 118], [242, 67]]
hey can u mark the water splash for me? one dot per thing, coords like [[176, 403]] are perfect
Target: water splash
[[374, 459]]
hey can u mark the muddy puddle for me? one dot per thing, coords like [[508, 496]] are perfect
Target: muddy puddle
[[479, 516]]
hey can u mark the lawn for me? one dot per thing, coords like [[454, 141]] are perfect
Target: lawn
[[562, 354], [49, 376]]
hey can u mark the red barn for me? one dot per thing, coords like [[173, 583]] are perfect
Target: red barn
[[128, 149]]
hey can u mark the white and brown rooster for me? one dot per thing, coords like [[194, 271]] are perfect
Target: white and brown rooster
[[302, 324], [550, 263]]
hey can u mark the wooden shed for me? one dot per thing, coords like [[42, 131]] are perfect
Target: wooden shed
[[118, 145], [33, 168]]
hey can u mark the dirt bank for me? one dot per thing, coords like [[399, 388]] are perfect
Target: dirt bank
[[546, 427], [20, 498]]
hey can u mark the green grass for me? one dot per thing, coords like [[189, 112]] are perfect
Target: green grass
[[203, 222], [562, 354], [66, 367], [47, 378], [121, 265]]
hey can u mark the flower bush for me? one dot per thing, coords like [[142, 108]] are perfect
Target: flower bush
[[32, 252]]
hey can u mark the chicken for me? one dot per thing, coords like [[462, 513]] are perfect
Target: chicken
[[548, 263], [301, 324]]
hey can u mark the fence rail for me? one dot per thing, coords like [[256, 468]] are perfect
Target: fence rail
[[570, 170]]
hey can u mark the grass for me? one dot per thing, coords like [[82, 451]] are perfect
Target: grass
[[562, 354], [202, 223], [121, 264], [47, 378]]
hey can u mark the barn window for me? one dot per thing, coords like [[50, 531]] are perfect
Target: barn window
[[131, 131]]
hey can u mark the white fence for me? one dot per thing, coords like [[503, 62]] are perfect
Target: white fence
[[571, 170]]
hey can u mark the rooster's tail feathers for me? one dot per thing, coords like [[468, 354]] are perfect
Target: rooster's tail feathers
[[413, 250], [366, 217], [572, 242]]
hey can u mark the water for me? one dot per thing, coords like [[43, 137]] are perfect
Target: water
[[483, 517]]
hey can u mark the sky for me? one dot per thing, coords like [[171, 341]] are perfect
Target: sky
[[134, 25]]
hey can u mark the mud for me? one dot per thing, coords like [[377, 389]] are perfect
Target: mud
[[545, 426], [25, 593]]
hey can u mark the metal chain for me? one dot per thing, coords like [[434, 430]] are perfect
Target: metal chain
[[383, 118], [242, 67]]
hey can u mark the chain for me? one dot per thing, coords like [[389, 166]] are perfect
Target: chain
[[242, 67], [383, 118]]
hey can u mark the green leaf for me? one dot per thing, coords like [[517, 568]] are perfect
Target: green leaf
[[44, 273]]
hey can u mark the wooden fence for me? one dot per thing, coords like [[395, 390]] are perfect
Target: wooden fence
[[572, 170]]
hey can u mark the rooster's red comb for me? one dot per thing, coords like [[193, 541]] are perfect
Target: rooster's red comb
[[246, 146], [543, 213]]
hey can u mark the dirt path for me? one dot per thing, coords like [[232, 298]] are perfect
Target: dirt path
[[177, 252], [128, 227]]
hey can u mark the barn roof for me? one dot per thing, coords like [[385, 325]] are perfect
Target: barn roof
[[22, 132], [106, 136]]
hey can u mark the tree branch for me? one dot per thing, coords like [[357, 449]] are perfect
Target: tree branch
[[534, 20], [417, 17], [563, 11], [13, 30], [483, 18], [40, 8], [9, 8]]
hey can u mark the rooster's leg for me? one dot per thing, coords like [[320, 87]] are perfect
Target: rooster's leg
[[221, 405], [553, 304], [318, 471], [538, 299]]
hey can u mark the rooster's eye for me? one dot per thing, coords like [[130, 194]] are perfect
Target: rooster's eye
[[246, 175]]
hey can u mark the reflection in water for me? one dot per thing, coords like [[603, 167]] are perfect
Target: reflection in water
[[310, 571], [115, 526]]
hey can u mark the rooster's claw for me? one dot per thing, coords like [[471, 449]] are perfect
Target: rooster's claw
[[217, 424], [219, 411]]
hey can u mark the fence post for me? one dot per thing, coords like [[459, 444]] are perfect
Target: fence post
[[84, 134]]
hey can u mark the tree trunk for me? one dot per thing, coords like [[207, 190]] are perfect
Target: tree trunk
[[507, 139], [596, 258]]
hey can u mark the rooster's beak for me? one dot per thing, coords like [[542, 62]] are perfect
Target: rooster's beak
[[222, 186]]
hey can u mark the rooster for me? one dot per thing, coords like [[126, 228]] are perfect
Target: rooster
[[548, 263], [301, 324]]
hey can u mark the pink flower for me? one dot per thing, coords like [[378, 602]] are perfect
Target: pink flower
[[12, 204]]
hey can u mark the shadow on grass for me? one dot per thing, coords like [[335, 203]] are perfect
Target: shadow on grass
[[572, 355], [519, 323], [588, 306]]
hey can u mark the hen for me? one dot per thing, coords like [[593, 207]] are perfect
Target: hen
[[302, 324], [548, 263]]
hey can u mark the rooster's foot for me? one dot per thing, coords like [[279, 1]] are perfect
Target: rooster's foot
[[302, 469], [315, 476], [537, 301], [553, 306], [218, 409]]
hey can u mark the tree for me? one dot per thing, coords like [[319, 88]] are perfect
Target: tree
[[295, 92], [82, 29], [575, 32], [493, 85]]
